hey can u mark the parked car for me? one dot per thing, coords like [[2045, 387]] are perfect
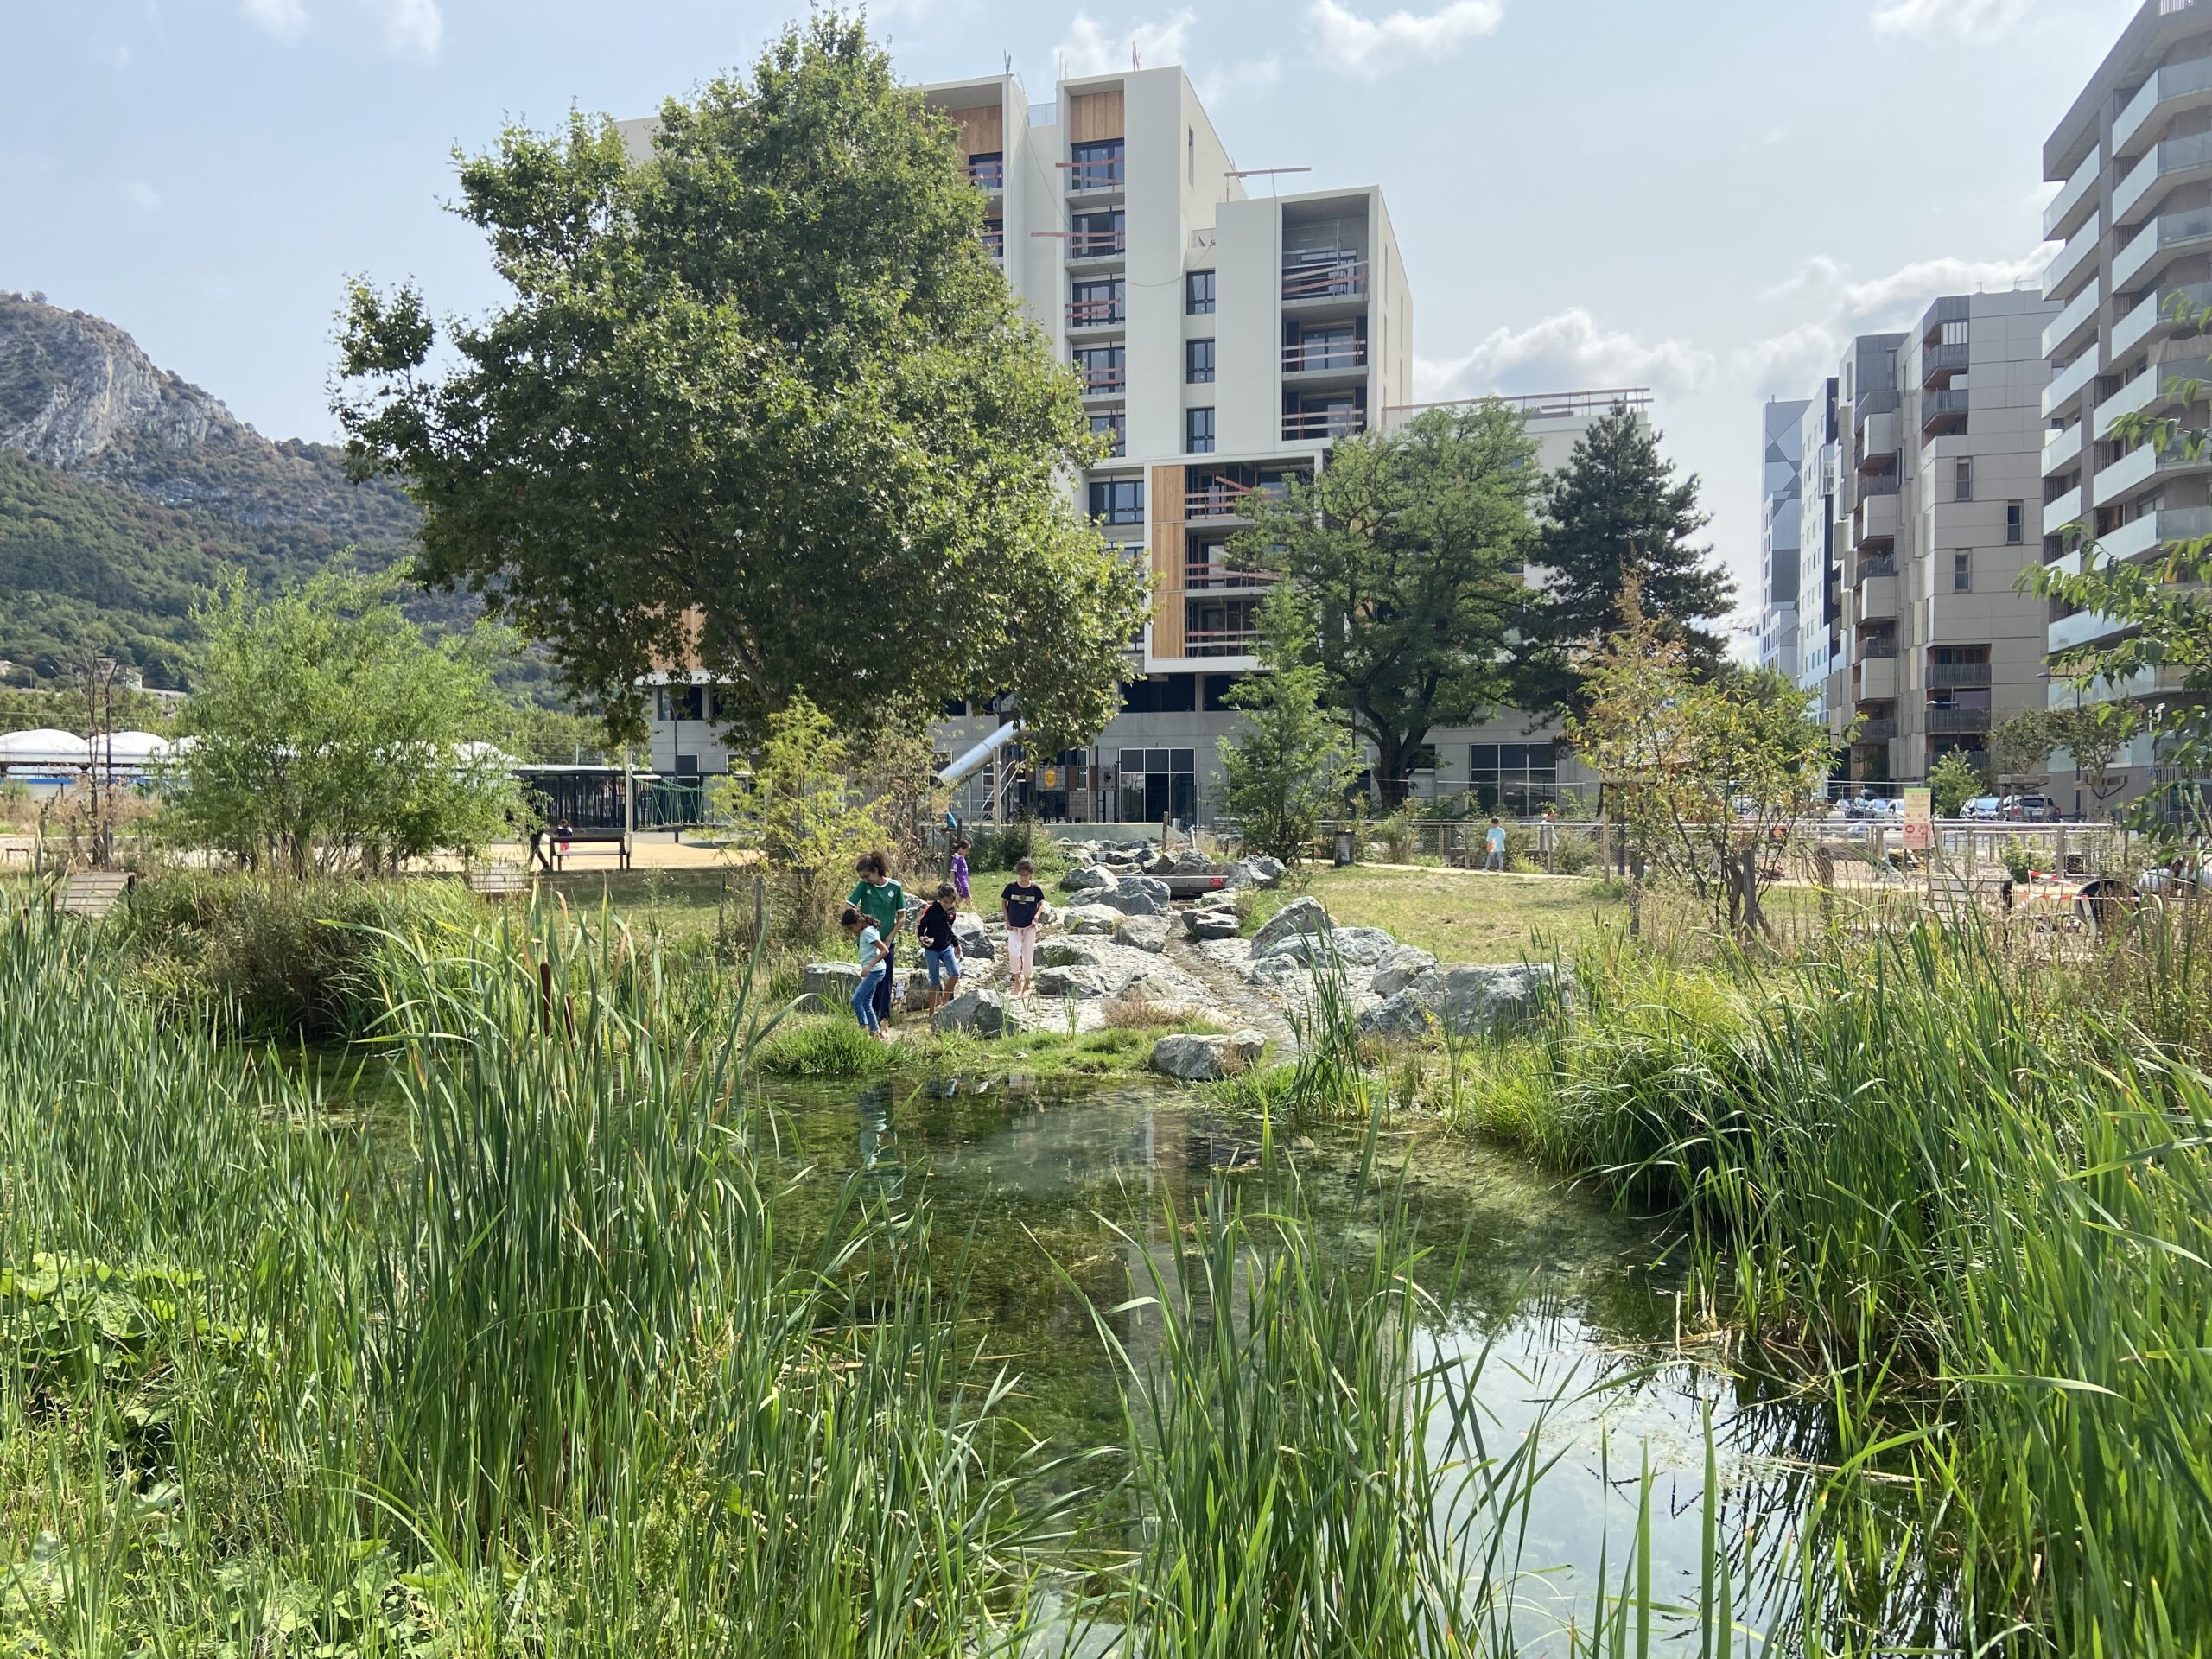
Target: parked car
[[1985, 809], [2030, 809]]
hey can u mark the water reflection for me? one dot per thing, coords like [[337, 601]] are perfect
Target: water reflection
[[1570, 1309]]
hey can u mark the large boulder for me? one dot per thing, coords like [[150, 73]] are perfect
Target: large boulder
[[972, 938], [1093, 880], [1400, 968], [1070, 952], [1083, 981], [1206, 1059], [1135, 897], [836, 980], [1268, 870], [1211, 924], [1351, 946], [1151, 885], [979, 1014], [1090, 919], [1147, 933], [1301, 915], [1237, 876], [1193, 862], [1469, 1001]]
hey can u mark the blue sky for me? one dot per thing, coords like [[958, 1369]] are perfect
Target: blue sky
[[1704, 196]]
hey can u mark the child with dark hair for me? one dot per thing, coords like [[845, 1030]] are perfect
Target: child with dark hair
[[940, 948], [1019, 902], [960, 865], [883, 901], [875, 970]]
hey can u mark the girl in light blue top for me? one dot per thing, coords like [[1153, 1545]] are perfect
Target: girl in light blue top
[[874, 959]]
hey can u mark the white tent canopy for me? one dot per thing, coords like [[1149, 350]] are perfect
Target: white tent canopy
[[44, 748], [131, 748]]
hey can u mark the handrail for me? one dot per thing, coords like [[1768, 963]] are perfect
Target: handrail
[[1340, 354], [1094, 313], [1344, 279], [1535, 403], [1098, 380], [1096, 244], [1324, 423], [1202, 575], [990, 175]]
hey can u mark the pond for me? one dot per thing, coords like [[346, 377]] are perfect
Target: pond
[[1577, 1316]]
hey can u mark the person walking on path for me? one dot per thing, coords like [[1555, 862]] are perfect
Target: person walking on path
[[1494, 839], [876, 968], [883, 901], [940, 949], [1548, 835], [960, 865], [1019, 902]]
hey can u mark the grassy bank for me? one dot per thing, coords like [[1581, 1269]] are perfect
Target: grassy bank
[[1967, 1190], [1459, 915]]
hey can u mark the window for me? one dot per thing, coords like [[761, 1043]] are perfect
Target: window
[[1952, 333], [683, 703], [2015, 524], [1961, 573], [1163, 694], [1197, 362], [1117, 501], [1198, 431], [1114, 429], [1198, 293], [1333, 346], [1156, 783], [994, 237], [1096, 165], [1093, 304], [988, 169], [1962, 478], [1512, 777], [1103, 368], [1098, 235], [1219, 686]]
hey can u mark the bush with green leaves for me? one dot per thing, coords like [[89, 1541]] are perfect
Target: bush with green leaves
[[1953, 780]]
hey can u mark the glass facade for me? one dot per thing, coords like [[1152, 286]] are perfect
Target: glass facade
[[1157, 784]]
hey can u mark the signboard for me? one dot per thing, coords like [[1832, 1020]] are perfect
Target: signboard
[[1919, 820], [1051, 777]]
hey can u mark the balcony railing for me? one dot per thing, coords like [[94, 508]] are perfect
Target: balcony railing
[[1882, 483], [1097, 314], [1324, 423], [1343, 277], [1220, 642], [1950, 677], [1948, 358], [1954, 722], [1305, 357], [1943, 411], [994, 241], [1877, 646], [1098, 382], [1097, 244], [1876, 731], [987, 172], [1882, 565], [1203, 575], [1104, 174]]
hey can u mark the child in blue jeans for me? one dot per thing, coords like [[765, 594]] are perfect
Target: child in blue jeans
[[875, 958]]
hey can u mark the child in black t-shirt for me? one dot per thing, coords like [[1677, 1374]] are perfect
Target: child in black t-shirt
[[940, 949], [1020, 900]]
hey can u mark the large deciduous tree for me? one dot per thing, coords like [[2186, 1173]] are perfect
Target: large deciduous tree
[[1615, 511], [1290, 761], [1406, 554], [761, 401]]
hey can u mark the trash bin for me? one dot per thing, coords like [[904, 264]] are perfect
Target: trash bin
[[1343, 849]]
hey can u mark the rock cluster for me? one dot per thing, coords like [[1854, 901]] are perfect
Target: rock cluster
[[1207, 1059]]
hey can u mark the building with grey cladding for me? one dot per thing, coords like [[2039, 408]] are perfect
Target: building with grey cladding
[[1780, 532]]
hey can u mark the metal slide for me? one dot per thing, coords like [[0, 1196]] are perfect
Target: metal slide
[[974, 762]]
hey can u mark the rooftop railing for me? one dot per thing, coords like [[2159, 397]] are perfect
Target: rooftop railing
[[1343, 277]]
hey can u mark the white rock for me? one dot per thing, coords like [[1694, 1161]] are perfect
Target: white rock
[[978, 1012], [1301, 915], [1090, 918], [1400, 968], [1206, 1059], [1468, 1000], [1142, 933], [1071, 952], [1093, 880]]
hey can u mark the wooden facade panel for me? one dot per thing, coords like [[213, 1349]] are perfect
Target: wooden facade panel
[[1094, 116], [982, 132], [1167, 554]]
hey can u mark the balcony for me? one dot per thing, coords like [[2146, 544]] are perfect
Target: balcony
[[1943, 414], [1953, 677], [1220, 642], [1877, 600], [2060, 447], [1097, 244], [1941, 361], [1876, 731], [1875, 647], [1955, 722], [994, 240], [2177, 87], [1321, 357], [1312, 277], [2141, 536], [1103, 383], [1312, 425], [2158, 243], [1204, 574], [1878, 680], [2062, 511], [2144, 463], [1879, 564], [987, 173], [2075, 259], [2080, 629], [2076, 197], [1876, 520], [2154, 318], [2173, 163], [1098, 314], [1878, 441], [2069, 383], [2076, 325]]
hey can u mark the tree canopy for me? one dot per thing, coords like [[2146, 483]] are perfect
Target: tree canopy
[[762, 402], [1290, 761], [1406, 554], [1615, 511]]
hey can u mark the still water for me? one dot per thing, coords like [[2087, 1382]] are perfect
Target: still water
[[1575, 1305]]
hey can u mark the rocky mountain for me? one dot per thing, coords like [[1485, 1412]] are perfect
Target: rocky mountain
[[125, 490]]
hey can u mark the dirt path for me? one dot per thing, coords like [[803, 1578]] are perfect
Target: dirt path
[[1239, 1003]]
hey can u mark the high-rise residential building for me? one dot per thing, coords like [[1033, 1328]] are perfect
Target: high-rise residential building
[[1938, 460], [1820, 590], [2132, 159], [1780, 532]]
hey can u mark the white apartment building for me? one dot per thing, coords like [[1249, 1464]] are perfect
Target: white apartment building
[[1819, 592], [1227, 332], [1938, 463], [1780, 532], [2132, 158]]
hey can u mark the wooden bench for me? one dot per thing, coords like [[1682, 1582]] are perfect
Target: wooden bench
[[566, 845], [92, 893], [498, 880]]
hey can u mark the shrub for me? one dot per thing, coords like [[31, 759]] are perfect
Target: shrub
[[830, 1048]]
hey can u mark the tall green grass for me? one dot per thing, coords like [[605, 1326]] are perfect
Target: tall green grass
[[1974, 1198]]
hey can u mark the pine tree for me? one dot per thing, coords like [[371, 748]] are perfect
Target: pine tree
[[1616, 509]]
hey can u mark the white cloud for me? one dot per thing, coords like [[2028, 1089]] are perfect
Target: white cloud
[[1216, 85], [285, 19], [143, 196], [1566, 352], [1967, 19], [412, 25], [1088, 49], [1371, 47]]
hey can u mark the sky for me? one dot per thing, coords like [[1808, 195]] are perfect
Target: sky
[[1705, 197]]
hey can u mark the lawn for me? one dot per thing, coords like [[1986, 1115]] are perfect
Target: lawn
[[1465, 916]]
